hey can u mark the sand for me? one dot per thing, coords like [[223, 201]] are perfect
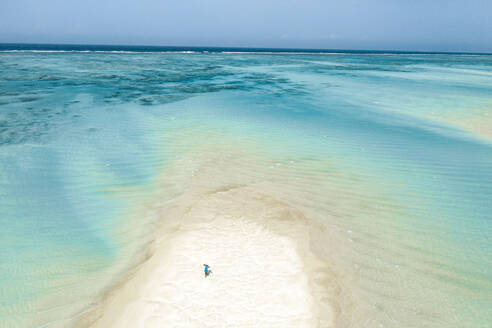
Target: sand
[[263, 272], [477, 121]]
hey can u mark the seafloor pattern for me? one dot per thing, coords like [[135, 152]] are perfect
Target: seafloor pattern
[[391, 153]]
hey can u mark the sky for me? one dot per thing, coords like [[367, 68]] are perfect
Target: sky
[[426, 25]]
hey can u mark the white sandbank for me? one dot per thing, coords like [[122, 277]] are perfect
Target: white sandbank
[[263, 272]]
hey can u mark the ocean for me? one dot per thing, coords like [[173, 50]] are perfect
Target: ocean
[[390, 152]]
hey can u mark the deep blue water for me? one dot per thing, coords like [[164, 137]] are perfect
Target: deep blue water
[[143, 48]]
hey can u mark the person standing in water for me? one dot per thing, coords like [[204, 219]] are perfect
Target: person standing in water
[[207, 270]]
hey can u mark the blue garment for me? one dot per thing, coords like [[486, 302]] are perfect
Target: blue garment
[[206, 269]]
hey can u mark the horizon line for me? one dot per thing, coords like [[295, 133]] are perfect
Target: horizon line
[[257, 49]]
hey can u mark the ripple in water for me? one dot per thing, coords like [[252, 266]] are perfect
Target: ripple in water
[[95, 146]]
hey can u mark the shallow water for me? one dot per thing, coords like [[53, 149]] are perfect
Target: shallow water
[[380, 149]]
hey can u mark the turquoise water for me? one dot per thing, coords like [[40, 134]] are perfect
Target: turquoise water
[[86, 136]]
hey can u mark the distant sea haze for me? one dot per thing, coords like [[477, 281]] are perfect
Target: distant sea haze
[[365, 175]]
